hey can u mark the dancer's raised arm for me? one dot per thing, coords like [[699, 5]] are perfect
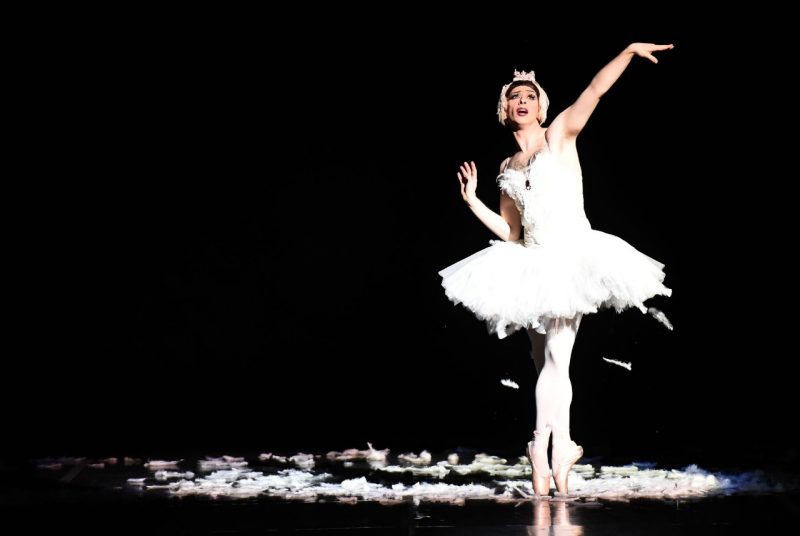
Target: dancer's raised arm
[[571, 121]]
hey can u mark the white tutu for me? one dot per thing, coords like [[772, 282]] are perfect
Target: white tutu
[[511, 286], [562, 268]]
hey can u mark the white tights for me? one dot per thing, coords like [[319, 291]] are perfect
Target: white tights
[[551, 354]]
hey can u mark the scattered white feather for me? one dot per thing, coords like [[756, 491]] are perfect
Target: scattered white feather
[[620, 363], [375, 455], [424, 458], [625, 470], [509, 383], [371, 454], [304, 461], [155, 465], [166, 475], [224, 462], [660, 316], [435, 471], [490, 477]]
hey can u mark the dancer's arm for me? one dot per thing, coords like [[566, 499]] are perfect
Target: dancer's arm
[[571, 121], [506, 225]]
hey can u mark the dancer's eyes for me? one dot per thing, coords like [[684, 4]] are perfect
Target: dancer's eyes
[[517, 96]]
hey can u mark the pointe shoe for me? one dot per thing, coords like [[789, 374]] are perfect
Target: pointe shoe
[[540, 476], [565, 454]]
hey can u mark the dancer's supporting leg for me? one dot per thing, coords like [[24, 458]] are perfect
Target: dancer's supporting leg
[[553, 400]]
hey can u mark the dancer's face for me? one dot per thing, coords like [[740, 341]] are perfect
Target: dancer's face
[[523, 105]]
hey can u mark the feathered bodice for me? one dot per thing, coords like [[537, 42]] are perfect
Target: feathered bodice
[[549, 197]]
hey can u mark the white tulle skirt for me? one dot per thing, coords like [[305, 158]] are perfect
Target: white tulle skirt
[[512, 286]]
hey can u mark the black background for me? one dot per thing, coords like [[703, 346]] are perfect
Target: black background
[[231, 237]]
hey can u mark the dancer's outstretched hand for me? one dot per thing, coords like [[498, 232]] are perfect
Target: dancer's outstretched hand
[[645, 50]]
